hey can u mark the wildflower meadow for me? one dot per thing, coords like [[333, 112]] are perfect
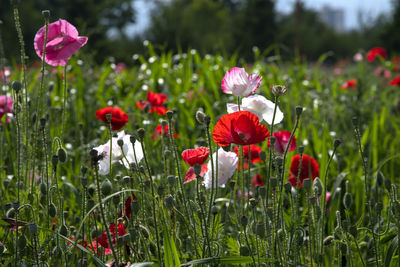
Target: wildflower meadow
[[196, 160]]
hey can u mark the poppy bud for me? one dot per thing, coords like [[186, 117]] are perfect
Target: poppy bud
[[43, 188], [141, 133], [62, 155], [278, 90], [300, 149], [46, 14], [200, 116], [10, 213], [169, 201], [93, 154], [106, 187], [281, 234], [54, 160], [116, 199], [299, 110], [169, 114], [317, 187], [380, 178], [83, 170], [52, 210], [132, 139], [160, 190], [51, 86], [336, 143], [120, 142], [126, 180], [91, 189], [164, 123], [260, 229], [262, 155], [33, 227], [17, 86], [288, 187], [43, 121], [21, 243], [328, 240], [63, 230], [214, 209], [90, 204], [253, 202]]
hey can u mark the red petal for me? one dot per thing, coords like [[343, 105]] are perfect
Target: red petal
[[195, 156]]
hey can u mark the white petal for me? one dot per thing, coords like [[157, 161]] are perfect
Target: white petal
[[227, 165], [232, 108]]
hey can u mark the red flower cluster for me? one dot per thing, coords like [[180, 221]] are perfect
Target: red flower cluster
[[376, 51], [349, 84], [241, 127], [309, 169], [254, 154], [118, 117], [282, 140], [154, 103], [395, 81], [159, 131]]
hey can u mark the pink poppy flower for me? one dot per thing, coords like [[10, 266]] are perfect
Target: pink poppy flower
[[6, 105], [237, 82], [349, 84], [62, 42], [282, 140]]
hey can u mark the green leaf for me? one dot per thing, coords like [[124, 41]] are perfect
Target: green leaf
[[390, 251], [233, 260]]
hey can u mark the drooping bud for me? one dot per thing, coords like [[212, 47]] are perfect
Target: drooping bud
[[132, 138], [52, 210], [54, 161], [33, 228], [106, 187], [62, 155], [63, 230], [43, 188]]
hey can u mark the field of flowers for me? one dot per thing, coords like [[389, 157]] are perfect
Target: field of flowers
[[190, 160]]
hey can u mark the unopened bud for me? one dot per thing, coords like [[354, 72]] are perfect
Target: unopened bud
[[262, 155], [200, 116], [214, 209], [120, 142], [288, 187], [17, 86], [52, 210], [307, 184], [106, 187], [54, 160], [244, 220], [46, 14], [132, 139], [33, 228], [260, 229], [347, 200], [63, 230], [317, 187], [336, 143], [83, 170], [169, 201], [141, 132], [171, 180], [197, 169], [164, 123], [299, 110], [170, 114], [278, 90]]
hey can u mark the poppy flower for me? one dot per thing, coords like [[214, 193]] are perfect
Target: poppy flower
[[103, 240], [282, 140], [195, 156], [376, 51], [117, 155], [158, 131], [349, 84], [62, 42], [128, 208], [227, 165], [394, 82], [118, 117], [6, 106], [309, 169], [259, 105], [154, 103], [190, 175], [257, 181], [254, 155], [237, 82], [358, 57], [241, 128]]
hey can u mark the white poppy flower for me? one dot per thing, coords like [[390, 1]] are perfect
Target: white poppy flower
[[227, 165], [260, 106]]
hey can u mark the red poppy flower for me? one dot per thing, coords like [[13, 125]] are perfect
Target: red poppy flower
[[349, 84], [118, 117], [190, 175], [128, 208], [241, 127], [257, 181], [282, 140], [103, 240], [154, 102], [195, 156], [395, 81], [255, 155], [309, 169], [376, 51], [158, 131]]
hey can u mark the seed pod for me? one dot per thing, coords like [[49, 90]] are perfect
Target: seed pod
[[21, 243], [278, 90], [106, 187], [52, 210], [120, 142], [132, 138], [253, 202], [170, 114], [260, 229], [62, 155]]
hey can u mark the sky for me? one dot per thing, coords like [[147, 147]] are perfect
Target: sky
[[370, 9]]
